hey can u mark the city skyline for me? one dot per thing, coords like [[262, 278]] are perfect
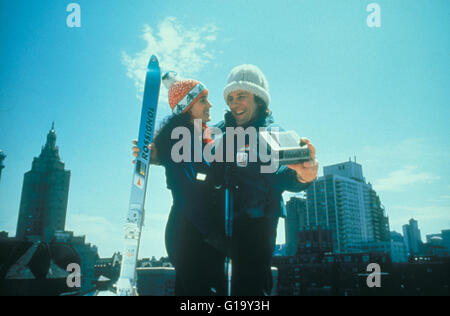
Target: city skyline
[[377, 93], [50, 149]]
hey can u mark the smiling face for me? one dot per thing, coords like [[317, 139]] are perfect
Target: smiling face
[[242, 105], [200, 109]]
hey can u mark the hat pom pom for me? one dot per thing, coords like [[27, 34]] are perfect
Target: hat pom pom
[[169, 78]]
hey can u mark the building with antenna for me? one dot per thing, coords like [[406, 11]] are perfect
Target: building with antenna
[[45, 191]]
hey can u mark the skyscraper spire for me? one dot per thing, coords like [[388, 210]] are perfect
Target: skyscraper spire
[[50, 153], [51, 138]]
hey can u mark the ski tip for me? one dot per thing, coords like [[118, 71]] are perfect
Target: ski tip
[[153, 61]]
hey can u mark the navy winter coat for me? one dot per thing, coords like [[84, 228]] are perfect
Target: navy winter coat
[[190, 186], [256, 194]]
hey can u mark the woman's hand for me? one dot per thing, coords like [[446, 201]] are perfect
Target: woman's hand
[[154, 158]]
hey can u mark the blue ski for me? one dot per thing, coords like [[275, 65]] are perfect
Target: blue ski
[[126, 284]]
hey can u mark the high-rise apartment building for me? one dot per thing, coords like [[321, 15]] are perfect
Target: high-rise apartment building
[[344, 203]]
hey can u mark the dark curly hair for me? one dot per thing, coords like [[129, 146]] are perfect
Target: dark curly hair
[[162, 139], [262, 108]]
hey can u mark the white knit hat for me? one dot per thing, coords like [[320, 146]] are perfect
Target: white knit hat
[[248, 78]]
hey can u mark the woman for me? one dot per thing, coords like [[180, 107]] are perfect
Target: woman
[[199, 267]]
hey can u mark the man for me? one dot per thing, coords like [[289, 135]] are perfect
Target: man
[[256, 196]]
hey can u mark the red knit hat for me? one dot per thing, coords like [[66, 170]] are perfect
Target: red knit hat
[[183, 93]]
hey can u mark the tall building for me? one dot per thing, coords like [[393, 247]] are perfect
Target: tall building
[[45, 193], [295, 221], [2, 157], [380, 222], [343, 202], [412, 237]]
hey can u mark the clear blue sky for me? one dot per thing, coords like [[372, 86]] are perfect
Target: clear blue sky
[[380, 94]]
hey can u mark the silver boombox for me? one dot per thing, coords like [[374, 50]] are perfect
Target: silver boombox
[[285, 147]]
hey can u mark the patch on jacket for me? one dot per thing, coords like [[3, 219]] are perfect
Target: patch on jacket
[[201, 176], [242, 159]]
